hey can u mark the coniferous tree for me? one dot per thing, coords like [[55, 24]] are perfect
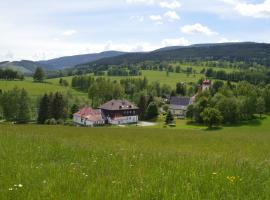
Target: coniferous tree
[[59, 107], [74, 108], [44, 109], [142, 106], [169, 118], [24, 114], [39, 75]]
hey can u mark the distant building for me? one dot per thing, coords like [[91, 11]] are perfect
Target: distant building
[[88, 117], [206, 85], [119, 112], [178, 106]]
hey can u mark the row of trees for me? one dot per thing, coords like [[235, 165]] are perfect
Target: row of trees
[[229, 104], [116, 71], [8, 74], [250, 76], [15, 105]]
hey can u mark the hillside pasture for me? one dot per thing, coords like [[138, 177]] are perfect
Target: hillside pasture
[[56, 162], [38, 89]]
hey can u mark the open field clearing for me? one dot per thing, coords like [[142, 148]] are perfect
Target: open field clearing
[[37, 89], [56, 162]]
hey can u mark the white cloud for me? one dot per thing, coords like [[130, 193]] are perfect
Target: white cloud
[[226, 40], [170, 4], [69, 32], [155, 17], [175, 42], [8, 56], [172, 16], [259, 10], [197, 29], [148, 2]]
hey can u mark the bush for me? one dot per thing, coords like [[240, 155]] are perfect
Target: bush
[[51, 121], [172, 125], [60, 121], [152, 111]]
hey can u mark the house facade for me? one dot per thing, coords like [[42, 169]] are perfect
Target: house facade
[[179, 105], [118, 112], [88, 117]]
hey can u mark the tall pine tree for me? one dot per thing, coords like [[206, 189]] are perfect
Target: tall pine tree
[[39, 75], [24, 114], [44, 109], [59, 106], [142, 106]]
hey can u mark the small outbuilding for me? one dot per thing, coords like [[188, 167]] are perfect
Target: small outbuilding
[[88, 117]]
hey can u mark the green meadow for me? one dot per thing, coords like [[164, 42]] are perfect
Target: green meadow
[[152, 76], [38, 89], [52, 85], [57, 162]]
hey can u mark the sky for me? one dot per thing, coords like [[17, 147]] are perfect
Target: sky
[[45, 29]]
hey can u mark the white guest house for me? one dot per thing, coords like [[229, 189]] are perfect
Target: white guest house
[[119, 112]]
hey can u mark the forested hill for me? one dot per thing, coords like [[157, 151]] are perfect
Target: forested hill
[[246, 52], [71, 61], [29, 67]]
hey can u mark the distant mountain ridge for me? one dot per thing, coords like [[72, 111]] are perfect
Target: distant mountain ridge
[[246, 52], [29, 67], [71, 61]]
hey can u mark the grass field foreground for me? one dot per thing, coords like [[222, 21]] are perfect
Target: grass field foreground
[[56, 162]]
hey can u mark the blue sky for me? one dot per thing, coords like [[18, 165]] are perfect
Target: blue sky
[[44, 29]]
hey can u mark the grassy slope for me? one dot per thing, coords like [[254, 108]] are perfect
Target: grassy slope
[[134, 163], [37, 89]]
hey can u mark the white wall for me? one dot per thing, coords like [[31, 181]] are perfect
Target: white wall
[[77, 120], [124, 120]]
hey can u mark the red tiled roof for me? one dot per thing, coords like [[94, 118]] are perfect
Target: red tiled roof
[[89, 114], [206, 82]]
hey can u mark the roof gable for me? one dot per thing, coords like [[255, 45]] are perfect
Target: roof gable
[[88, 111], [118, 105], [89, 114]]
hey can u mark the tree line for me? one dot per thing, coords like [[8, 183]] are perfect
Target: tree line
[[101, 89], [254, 77], [8, 74]]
